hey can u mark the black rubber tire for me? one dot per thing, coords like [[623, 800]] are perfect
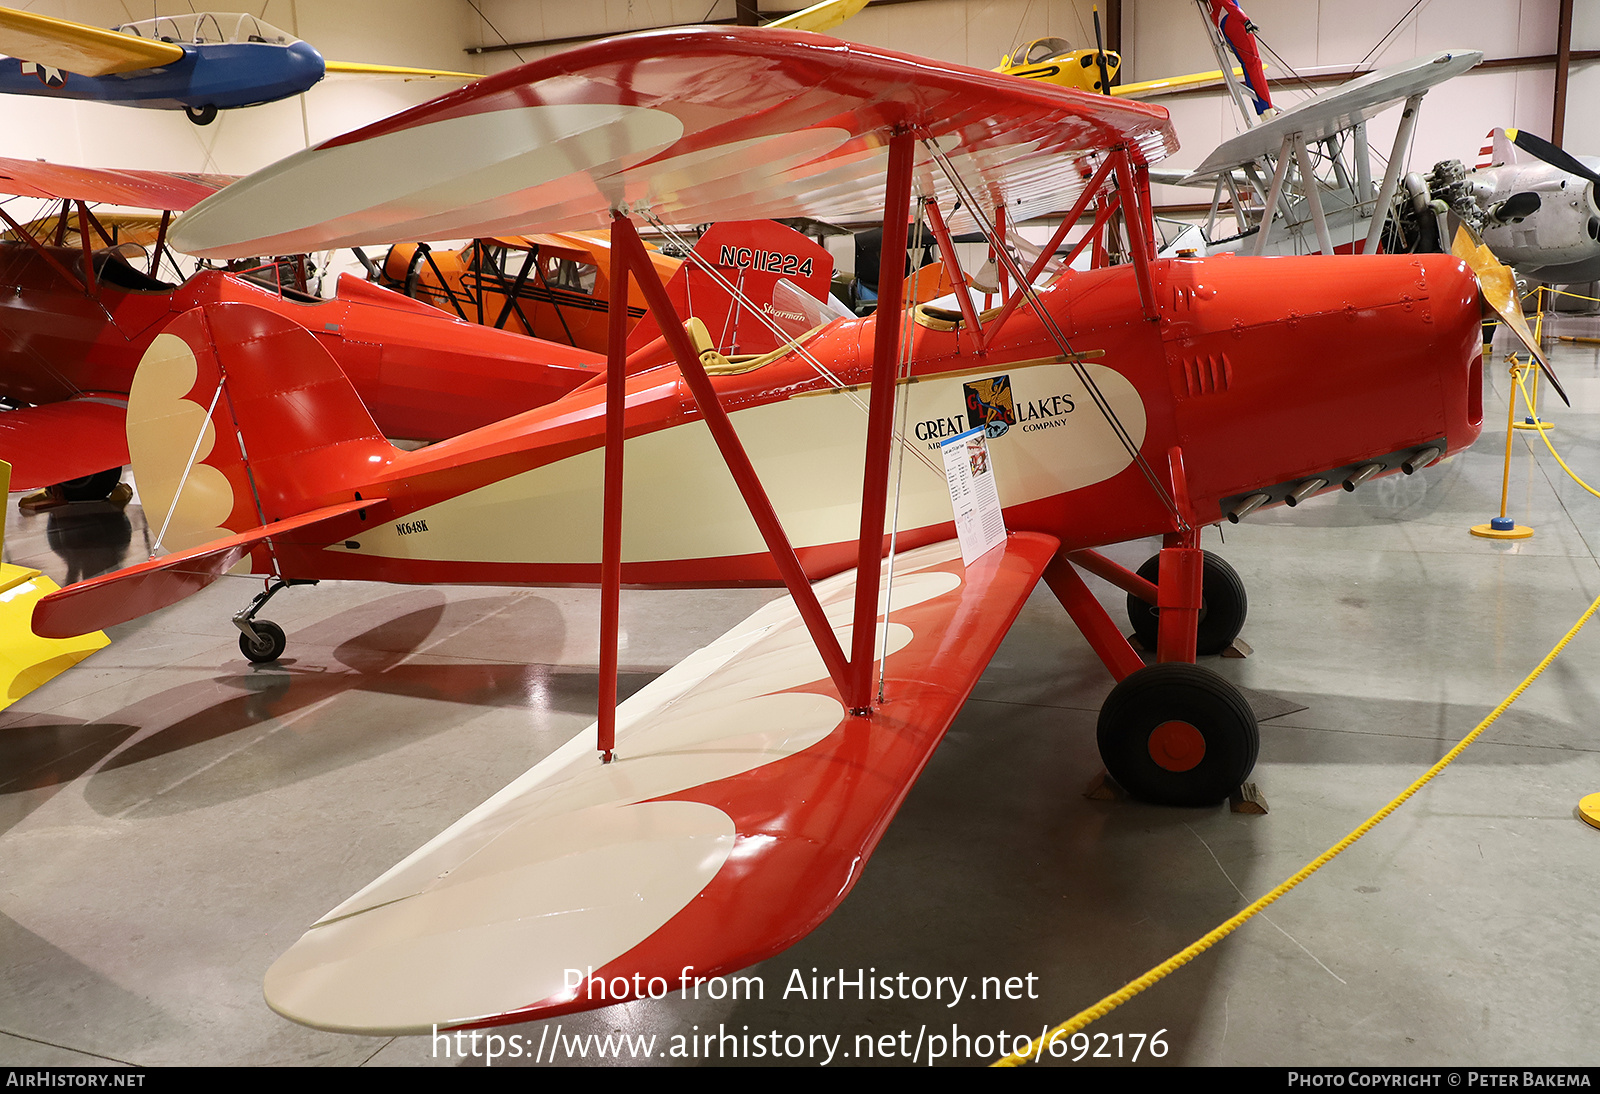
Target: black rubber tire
[[1223, 606], [201, 115], [271, 646], [95, 487], [1169, 692]]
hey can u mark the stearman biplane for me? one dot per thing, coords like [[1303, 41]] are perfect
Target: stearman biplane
[[723, 811]]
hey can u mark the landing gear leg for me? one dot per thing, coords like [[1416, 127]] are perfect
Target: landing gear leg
[[262, 641], [1223, 606], [1171, 733]]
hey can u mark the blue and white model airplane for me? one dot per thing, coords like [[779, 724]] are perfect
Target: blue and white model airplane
[[201, 62]]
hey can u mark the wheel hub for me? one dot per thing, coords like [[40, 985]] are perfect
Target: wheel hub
[[1177, 746]]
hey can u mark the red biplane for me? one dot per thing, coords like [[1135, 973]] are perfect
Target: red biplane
[[723, 811], [74, 322], [560, 289]]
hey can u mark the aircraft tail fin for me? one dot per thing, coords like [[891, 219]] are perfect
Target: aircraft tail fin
[[1497, 150], [238, 418], [735, 284]]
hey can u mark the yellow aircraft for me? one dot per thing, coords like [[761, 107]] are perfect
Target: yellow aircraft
[[1054, 61], [26, 660]]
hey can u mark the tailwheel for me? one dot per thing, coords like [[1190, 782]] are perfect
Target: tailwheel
[[267, 645], [1177, 734], [1223, 606], [201, 115]]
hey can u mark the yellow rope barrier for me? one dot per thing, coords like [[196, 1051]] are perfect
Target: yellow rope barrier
[[1573, 475], [1562, 292], [1105, 1006], [1037, 1047]]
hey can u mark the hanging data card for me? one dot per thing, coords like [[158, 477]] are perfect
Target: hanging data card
[[979, 525]]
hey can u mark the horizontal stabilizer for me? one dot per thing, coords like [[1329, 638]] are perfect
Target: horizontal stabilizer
[[58, 442], [127, 594], [361, 68], [740, 808]]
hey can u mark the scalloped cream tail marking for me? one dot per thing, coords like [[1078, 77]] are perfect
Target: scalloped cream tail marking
[[163, 423]]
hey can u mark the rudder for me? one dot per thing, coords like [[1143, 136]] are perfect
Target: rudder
[[244, 418]]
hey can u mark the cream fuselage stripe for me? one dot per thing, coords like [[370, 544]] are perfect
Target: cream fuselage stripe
[[680, 502]]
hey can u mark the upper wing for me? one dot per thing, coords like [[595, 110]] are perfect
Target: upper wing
[[1325, 116], [138, 189], [739, 811], [688, 125], [88, 51], [58, 442]]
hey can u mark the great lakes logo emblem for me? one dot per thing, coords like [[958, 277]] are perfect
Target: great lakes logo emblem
[[989, 405]]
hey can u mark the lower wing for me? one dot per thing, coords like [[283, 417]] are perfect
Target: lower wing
[[742, 804]]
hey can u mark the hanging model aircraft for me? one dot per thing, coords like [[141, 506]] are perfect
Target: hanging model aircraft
[[74, 322], [1531, 203], [724, 810], [199, 62]]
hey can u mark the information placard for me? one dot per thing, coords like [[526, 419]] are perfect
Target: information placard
[[979, 524]]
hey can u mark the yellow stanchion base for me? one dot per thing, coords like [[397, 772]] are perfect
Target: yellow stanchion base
[[1533, 425], [1520, 531], [1589, 810]]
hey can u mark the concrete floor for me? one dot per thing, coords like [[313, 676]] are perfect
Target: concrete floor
[[172, 818]]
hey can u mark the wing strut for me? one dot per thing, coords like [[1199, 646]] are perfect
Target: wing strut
[[1102, 214], [1132, 179], [1391, 173], [853, 677], [27, 237]]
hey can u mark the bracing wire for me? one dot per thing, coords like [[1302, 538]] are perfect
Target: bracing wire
[[806, 355], [1101, 403], [907, 331], [188, 467]]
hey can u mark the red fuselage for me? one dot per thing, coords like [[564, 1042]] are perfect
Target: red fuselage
[[1264, 373], [422, 374]]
